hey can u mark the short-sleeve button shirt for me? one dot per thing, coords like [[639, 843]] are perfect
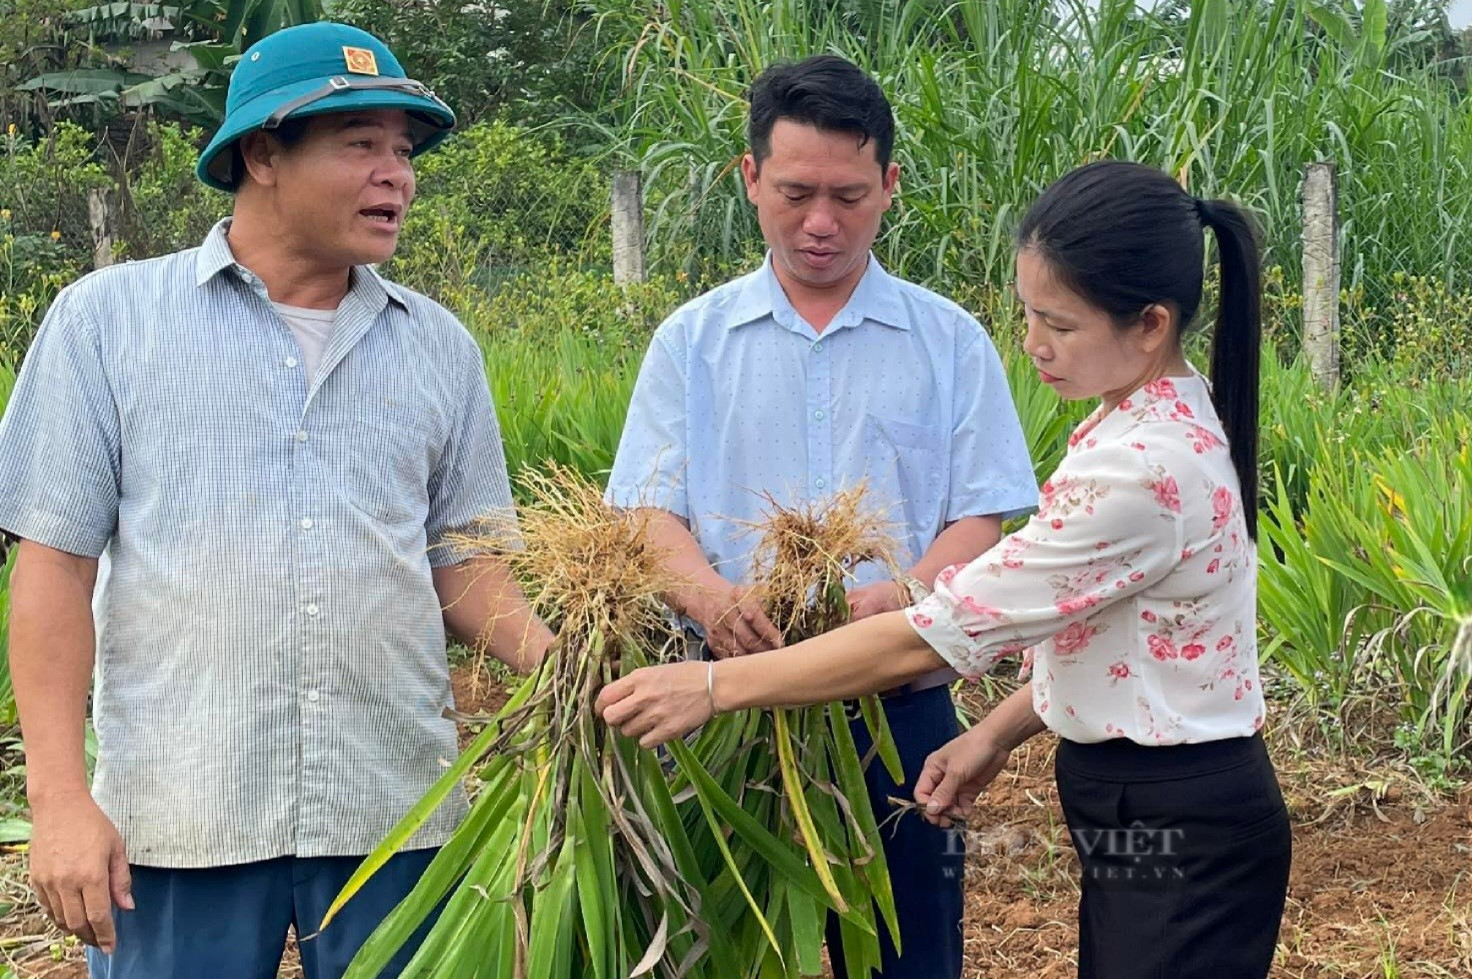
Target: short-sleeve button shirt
[[271, 674], [739, 396]]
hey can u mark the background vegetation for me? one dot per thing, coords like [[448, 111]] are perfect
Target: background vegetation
[[1367, 527]]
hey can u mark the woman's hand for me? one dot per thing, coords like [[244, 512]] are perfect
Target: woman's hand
[[955, 775], [659, 703]]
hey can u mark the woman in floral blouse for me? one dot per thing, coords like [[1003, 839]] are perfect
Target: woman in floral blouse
[[1131, 595]]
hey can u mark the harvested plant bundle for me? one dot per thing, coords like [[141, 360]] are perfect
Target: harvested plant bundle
[[583, 855], [805, 559], [567, 864]]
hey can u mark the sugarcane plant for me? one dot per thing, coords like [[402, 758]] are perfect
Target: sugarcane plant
[[584, 854], [805, 559]]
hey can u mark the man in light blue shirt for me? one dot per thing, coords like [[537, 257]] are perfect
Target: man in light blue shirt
[[273, 445], [812, 373]]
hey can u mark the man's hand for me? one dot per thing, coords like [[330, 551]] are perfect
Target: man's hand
[[882, 596], [79, 869], [659, 703], [734, 622], [955, 774]]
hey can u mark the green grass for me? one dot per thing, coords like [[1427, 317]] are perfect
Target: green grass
[[1366, 557], [995, 100]]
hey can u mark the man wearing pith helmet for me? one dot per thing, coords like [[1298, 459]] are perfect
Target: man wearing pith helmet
[[271, 443]]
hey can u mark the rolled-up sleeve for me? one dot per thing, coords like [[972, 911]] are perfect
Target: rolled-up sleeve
[[60, 457], [991, 470], [469, 488], [1109, 527], [650, 467]]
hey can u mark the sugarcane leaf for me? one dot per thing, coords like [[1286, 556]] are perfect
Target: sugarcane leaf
[[448, 866], [771, 849], [656, 948], [860, 951], [772, 966], [424, 808], [889, 752], [550, 920], [807, 933], [417, 815], [597, 889], [797, 800], [855, 789], [720, 839], [480, 893]]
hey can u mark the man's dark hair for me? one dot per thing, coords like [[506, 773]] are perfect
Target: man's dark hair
[[825, 92]]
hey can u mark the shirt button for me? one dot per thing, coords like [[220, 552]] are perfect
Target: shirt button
[[312, 610], [818, 347], [819, 415], [820, 482], [306, 523], [313, 696], [301, 436], [290, 361]]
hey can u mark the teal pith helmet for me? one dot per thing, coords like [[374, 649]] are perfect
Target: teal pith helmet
[[313, 69]]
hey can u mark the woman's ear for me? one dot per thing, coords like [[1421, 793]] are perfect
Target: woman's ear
[[1157, 327]]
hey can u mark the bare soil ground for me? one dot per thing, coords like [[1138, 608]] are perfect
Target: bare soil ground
[[1381, 885]]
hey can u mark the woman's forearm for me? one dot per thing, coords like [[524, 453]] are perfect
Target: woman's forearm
[[1013, 721], [864, 657]]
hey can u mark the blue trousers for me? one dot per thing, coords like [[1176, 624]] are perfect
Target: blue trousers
[[926, 863], [231, 922]]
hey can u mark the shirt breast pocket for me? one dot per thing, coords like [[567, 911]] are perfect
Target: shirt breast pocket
[[905, 469], [390, 457]]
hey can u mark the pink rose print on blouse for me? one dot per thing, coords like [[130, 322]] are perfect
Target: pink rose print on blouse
[[1193, 650], [1161, 388], [1167, 494], [1011, 548], [1224, 643], [1221, 507], [1074, 639], [1074, 604], [976, 608], [1162, 648], [922, 620], [948, 575], [1119, 671], [1202, 440]]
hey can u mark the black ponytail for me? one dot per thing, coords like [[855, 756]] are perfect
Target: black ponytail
[[1125, 237], [1236, 343]]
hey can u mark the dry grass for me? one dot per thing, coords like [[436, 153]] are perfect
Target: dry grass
[[589, 569], [806, 556]]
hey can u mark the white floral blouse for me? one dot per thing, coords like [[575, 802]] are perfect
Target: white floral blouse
[[1133, 589]]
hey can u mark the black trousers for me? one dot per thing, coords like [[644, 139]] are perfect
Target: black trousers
[[1185, 852]]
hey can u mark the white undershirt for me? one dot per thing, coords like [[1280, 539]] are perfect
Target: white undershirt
[[311, 327]]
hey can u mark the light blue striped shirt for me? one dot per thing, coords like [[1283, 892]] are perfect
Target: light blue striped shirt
[[271, 674], [738, 395]]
